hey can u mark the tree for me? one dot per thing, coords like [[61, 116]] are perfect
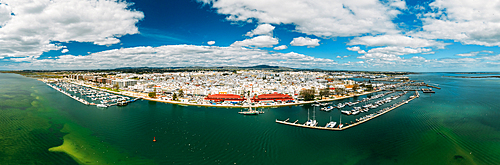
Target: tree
[[307, 94], [324, 92], [152, 94], [181, 93], [174, 97], [116, 86], [369, 87], [355, 87], [339, 91]]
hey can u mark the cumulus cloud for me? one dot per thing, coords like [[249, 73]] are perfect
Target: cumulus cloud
[[177, 55], [262, 29], [398, 50], [281, 47], [400, 4], [356, 49], [390, 54], [491, 58], [305, 41], [470, 54], [259, 41], [396, 40], [340, 18], [468, 21], [211, 42], [64, 51], [342, 57], [36, 26], [5, 14]]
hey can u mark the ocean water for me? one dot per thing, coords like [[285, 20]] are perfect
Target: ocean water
[[459, 124]]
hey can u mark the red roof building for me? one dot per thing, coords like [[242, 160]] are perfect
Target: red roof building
[[225, 97], [272, 97]]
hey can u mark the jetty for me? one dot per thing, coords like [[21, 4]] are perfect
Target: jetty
[[105, 98], [71, 96], [433, 86], [375, 115]]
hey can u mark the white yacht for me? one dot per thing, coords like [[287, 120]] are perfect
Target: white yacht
[[331, 124]]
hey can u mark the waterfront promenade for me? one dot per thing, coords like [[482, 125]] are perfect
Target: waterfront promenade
[[145, 97]]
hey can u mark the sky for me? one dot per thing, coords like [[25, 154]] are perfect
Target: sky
[[371, 35]]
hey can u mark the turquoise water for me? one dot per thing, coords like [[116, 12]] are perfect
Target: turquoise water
[[456, 125]]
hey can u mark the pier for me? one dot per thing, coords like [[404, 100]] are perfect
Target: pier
[[433, 86], [67, 94], [354, 124], [120, 100]]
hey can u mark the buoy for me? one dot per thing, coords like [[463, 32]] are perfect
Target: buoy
[[154, 139]]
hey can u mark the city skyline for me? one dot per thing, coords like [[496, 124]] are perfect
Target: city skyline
[[372, 35]]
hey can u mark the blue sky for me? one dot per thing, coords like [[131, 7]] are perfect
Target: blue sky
[[388, 35]]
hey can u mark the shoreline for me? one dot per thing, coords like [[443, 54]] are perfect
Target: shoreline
[[145, 97]]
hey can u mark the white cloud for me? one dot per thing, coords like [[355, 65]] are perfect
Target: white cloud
[[356, 49], [281, 47], [491, 58], [390, 54], [400, 4], [64, 51], [211, 42], [176, 55], [5, 14], [470, 54], [396, 40], [259, 41], [342, 57], [320, 18], [301, 41], [36, 25], [398, 50], [262, 29], [468, 21]]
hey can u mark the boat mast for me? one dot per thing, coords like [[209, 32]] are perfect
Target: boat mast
[[314, 113], [308, 114]]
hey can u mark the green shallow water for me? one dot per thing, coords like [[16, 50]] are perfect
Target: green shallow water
[[459, 124]]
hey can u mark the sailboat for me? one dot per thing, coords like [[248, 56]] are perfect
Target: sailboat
[[249, 112], [310, 122], [341, 125], [331, 124]]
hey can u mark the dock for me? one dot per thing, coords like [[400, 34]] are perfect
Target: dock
[[83, 101], [354, 124], [433, 86], [69, 95]]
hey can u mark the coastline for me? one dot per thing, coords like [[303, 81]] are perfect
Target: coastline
[[145, 97]]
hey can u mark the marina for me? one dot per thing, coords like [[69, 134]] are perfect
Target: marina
[[342, 105], [88, 96], [359, 121]]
